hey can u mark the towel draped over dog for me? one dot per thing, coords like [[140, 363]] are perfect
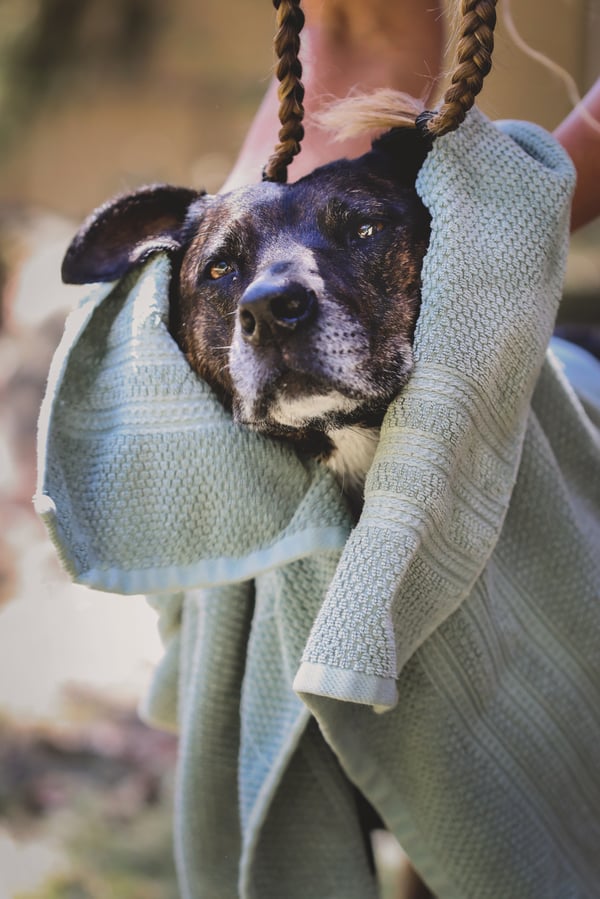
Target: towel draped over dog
[[443, 655]]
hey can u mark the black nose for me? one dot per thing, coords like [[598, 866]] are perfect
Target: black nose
[[270, 309]]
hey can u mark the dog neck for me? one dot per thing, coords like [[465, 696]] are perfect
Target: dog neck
[[353, 451]]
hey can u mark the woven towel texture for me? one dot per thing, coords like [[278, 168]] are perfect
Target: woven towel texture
[[147, 485], [441, 480], [464, 604]]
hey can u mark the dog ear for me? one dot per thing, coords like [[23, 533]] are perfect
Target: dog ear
[[125, 231], [403, 152]]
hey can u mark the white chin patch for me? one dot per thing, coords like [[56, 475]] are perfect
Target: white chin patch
[[299, 412]]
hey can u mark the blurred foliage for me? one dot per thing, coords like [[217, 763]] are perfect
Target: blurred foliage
[[124, 857], [97, 96], [51, 46], [104, 786]]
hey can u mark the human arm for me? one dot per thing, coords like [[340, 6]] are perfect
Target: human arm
[[580, 137]]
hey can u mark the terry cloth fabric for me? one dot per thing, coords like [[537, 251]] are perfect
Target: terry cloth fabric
[[463, 607]]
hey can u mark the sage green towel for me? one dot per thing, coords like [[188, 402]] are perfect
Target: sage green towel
[[463, 607]]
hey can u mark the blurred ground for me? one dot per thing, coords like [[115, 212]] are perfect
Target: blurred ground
[[98, 96]]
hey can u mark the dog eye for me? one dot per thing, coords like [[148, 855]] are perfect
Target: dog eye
[[368, 229], [216, 270]]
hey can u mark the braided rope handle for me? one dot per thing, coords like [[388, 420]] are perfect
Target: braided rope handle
[[474, 58], [290, 21]]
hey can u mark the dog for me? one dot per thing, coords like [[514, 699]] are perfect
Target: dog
[[296, 302]]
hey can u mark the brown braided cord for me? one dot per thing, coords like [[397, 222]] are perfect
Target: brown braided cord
[[290, 21], [474, 57]]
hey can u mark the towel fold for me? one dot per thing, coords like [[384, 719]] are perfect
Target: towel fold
[[464, 604], [146, 484]]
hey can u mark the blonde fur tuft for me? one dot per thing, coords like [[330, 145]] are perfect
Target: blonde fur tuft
[[375, 112]]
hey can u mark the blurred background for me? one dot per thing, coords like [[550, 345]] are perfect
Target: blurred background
[[97, 97]]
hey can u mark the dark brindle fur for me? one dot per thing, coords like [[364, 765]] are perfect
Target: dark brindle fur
[[297, 303]]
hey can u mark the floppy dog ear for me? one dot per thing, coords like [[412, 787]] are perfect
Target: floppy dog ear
[[125, 231], [403, 151]]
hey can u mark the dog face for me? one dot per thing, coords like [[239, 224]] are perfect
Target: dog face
[[297, 302]]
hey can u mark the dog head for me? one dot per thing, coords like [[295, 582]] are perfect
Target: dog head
[[296, 302]]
